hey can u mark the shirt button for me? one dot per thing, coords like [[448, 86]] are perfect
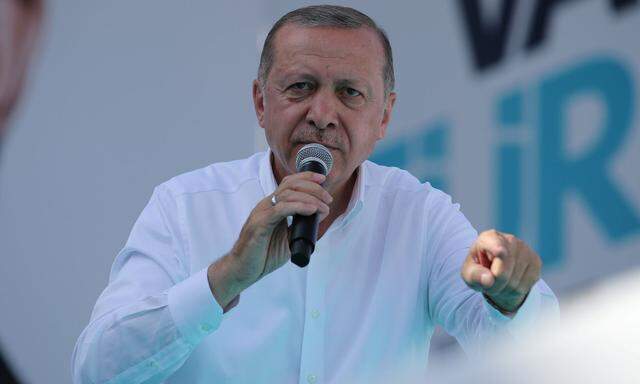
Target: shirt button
[[311, 379], [315, 313], [205, 327]]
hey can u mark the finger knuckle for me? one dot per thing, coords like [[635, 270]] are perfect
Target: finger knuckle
[[501, 250], [466, 276], [519, 245], [299, 207], [538, 263]]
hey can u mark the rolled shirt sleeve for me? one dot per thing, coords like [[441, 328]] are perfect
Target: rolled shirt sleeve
[[152, 314]]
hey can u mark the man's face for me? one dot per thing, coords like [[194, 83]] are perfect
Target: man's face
[[325, 86]]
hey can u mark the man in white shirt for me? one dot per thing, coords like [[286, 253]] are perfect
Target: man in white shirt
[[204, 292]]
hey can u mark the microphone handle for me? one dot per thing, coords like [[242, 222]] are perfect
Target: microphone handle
[[304, 232], [304, 229]]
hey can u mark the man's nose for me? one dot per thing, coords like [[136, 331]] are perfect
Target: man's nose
[[323, 111]]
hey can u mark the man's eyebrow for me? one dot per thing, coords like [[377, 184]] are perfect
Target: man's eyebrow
[[298, 76]]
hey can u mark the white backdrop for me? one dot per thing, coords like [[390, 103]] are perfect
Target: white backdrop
[[544, 141]]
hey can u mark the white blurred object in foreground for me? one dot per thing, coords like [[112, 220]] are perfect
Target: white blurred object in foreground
[[597, 340]]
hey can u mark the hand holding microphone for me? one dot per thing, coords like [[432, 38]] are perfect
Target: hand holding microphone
[[265, 242]]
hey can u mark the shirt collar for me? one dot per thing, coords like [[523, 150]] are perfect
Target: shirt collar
[[268, 184], [265, 173]]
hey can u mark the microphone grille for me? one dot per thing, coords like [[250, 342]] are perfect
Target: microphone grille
[[314, 152]]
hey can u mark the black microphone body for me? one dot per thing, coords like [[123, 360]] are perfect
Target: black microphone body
[[304, 229]]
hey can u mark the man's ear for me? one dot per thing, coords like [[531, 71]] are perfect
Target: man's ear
[[386, 115], [258, 102]]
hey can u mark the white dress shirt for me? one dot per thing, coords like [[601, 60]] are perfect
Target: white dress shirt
[[381, 278]]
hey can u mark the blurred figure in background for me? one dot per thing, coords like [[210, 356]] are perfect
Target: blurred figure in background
[[19, 27], [20, 22]]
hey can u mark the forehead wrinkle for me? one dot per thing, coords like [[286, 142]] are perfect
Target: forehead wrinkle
[[286, 64], [326, 42], [304, 53], [298, 53]]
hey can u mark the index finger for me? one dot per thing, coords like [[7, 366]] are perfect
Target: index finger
[[495, 246], [492, 242], [307, 175]]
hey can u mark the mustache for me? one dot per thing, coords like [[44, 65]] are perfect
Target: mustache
[[328, 139]]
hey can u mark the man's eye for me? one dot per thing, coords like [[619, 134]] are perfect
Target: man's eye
[[352, 92], [301, 86]]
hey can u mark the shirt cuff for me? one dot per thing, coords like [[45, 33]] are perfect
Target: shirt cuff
[[193, 307], [526, 316]]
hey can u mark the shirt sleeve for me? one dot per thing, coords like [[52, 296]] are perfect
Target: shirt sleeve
[[461, 311], [152, 313]]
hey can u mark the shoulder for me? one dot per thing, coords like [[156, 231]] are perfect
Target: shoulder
[[226, 177], [399, 191], [399, 183]]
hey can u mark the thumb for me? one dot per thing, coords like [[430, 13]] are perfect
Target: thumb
[[477, 277]]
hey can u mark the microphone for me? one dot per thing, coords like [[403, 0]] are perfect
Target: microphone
[[304, 229]]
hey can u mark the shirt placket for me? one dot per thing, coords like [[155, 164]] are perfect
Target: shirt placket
[[312, 357]]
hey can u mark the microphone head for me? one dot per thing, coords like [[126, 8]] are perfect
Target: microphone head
[[314, 152]]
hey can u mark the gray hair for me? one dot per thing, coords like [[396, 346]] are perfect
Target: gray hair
[[327, 16]]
